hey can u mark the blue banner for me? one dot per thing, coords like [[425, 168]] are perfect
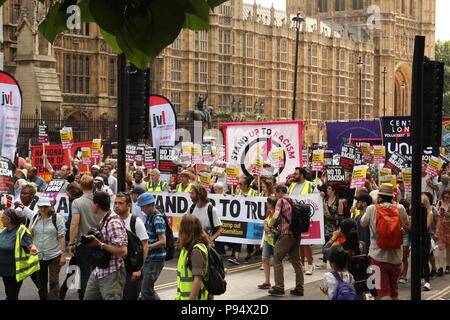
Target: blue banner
[[338, 133]]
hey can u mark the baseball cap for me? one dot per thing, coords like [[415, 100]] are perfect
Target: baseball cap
[[95, 167], [44, 202], [364, 198], [145, 199], [138, 190]]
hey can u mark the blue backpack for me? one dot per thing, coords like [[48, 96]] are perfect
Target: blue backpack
[[344, 291]]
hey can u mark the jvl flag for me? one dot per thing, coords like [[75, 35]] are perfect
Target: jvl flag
[[66, 138]]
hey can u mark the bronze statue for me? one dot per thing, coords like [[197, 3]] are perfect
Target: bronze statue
[[202, 113]]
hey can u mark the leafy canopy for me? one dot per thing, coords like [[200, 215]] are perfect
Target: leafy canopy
[[140, 29]]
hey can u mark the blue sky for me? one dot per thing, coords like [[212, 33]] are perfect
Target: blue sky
[[442, 11]]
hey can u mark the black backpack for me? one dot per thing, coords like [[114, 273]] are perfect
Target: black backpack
[[301, 217], [36, 216], [135, 257], [170, 243], [214, 279], [357, 266]]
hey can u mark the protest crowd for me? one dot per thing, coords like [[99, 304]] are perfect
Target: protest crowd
[[119, 240]]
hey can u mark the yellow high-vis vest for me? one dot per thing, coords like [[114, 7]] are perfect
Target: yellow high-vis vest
[[186, 189], [26, 263], [159, 187], [185, 279], [251, 193], [308, 187]]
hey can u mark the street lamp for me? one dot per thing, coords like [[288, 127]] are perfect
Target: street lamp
[[360, 65], [403, 97], [298, 20], [384, 75]]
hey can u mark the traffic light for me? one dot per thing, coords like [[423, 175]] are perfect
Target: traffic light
[[433, 93], [136, 103]]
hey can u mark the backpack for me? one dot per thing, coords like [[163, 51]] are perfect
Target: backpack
[[214, 279], [170, 243], [36, 216], [210, 216], [344, 291], [301, 217], [389, 228], [357, 266], [135, 257]]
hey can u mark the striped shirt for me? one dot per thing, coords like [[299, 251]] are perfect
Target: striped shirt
[[155, 226], [285, 217]]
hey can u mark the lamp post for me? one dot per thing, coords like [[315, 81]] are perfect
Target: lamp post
[[403, 97], [360, 65], [384, 97], [298, 20]]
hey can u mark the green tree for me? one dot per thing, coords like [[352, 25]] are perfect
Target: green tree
[[443, 55], [140, 29]]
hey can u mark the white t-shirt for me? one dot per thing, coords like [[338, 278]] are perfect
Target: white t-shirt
[[426, 188], [136, 211], [330, 282], [202, 215], [141, 232]]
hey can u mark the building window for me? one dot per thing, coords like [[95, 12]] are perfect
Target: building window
[[358, 4], [351, 88], [175, 67], [325, 89], [177, 44], [312, 83], [339, 5], [88, 66], [281, 109], [248, 50], [75, 74], [411, 8], [340, 113], [176, 101], [262, 79], [403, 6], [340, 60], [200, 71], [282, 50], [262, 49], [201, 41], [247, 76], [225, 41], [281, 80], [224, 73], [226, 10], [324, 58], [15, 11], [323, 5], [340, 87], [312, 55], [313, 113], [112, 77], [323, 111]]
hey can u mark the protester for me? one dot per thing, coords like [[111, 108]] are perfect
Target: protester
[[18, 189], [442, 185], [426, 244], [156, 230], [12, 271], [245, 190], [406, 243], [83, 220], [155, 185], [122, 206], [193, 260], [33, 177], [48, 232], [107, 282], [138, 179], [363, 202], [136, 210], [443, 233], [432, 235], [429, 184], [27, 202], [110, 180], [287, 243], [267, 189], [268, 243], [184, 185], [389, 257], [95, 170]]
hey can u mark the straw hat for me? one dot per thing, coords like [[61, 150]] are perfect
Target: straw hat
[[386, 189]]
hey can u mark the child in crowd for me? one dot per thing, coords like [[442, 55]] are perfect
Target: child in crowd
[[338, 259]]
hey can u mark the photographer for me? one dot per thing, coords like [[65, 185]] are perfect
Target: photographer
[[107, 281], [83, 220]]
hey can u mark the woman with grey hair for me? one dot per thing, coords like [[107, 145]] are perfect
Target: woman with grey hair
[[218, 188], [18, 254]]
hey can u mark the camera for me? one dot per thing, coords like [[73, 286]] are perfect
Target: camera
[[98, 185], [86, 239]]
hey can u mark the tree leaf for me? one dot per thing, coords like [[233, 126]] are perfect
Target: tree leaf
[[193, 22], [111, 40], [56, 20], [86, 15], [109, 15], [215, 3], [2, 2], [197, 15]]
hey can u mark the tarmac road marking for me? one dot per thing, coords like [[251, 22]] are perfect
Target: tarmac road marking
[[440, 294]]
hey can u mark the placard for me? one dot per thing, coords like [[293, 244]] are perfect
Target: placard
[[97, 148], [335, 175], [396, 163], [358, 158], [43, 134], [434, 167], [207, 153], [86, 155], [392, 179], [407, 179], [150, 157], [359, 176], [218, 168], [167, 160], [328, 158], [197, 156], [55, 187], [66, 138], [6, 176], [367, 152], [130, 153], [318, 160], [232, 175], [347, 159], [379, 154]]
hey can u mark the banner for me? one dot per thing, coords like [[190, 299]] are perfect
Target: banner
[[396, 135], [338, 133], [347, 159], [242, 140], [242, 217], [150, 157], [58, 157], [163, 121], [167, 158], [359, 176], [6, 176], [43, 134], [335, 175]]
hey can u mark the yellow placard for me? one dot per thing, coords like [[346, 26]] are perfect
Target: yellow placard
[[379, 151], [407, 176], [389, 179], [1, 224], [85, 152], [67, 135], [435, 163], [359, 172], [205, 179], [186, 148], [385, 172], [259, 162], [318, 157], [365, 148], [232, 172], [213, 150], [97, 144], [197, 150]]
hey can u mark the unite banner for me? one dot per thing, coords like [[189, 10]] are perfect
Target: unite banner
[[242, 217], [243, 140], [10, 113]]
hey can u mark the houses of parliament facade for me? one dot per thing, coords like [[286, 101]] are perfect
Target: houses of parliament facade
[[244, 63]]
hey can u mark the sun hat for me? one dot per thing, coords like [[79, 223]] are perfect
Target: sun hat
[[386, 189], [145, 199], [44, 202]]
